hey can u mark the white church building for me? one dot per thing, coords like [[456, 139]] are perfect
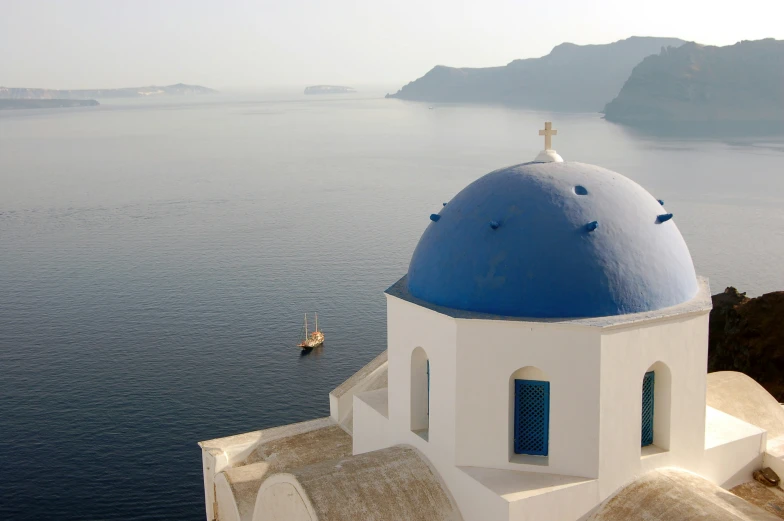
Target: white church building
[[546, 361]]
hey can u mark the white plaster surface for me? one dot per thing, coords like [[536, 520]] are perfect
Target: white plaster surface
[[227, 507], [548, 156], [680, 343], [733, 449], [378, 400], [722, 428], [514, 486], [371, 377], [488, 354]]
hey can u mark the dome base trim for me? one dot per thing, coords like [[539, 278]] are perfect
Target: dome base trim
[[700, 303]]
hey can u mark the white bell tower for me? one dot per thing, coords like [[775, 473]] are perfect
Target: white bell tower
[[551, 329]]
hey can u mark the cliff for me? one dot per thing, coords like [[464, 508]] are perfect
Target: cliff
[[747, 335], [570, 78], [8, 104], [697, 83], [179, 89]]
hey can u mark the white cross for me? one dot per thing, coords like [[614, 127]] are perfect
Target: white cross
[[548, 132]]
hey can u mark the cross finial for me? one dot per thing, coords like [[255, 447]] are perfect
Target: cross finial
[[548, 132], [548, 155]]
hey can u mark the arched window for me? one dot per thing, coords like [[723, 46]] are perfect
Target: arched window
[[530, 414], [656, 400], [648, 402], [420, 392]]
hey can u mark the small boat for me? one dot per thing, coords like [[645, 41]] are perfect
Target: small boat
[[314, 339]]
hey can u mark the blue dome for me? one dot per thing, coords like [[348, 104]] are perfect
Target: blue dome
[[553, 240]]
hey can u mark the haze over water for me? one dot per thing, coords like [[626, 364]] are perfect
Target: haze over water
[[156, 257]]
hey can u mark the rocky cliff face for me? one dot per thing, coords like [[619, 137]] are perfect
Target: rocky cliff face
[[180, 89], [570, 78], [697, 83], [747, 335]]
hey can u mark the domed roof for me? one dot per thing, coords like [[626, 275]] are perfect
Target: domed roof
[[553, 240]]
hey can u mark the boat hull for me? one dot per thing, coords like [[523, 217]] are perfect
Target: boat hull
[[316, 340]]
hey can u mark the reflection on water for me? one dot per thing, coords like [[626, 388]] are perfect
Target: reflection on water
[[709, 130], [157, 258], [315, 352]]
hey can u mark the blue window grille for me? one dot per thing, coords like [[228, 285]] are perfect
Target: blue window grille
[[647, 408], [531, 417]]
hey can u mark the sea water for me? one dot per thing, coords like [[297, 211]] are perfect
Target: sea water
[[157, 256]]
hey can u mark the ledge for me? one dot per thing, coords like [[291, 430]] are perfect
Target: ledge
[[651, 450], [377, 400], [527, 459], [360, 375], [236, 447], [423, 433], [722, 428], [700, 303], [513, 486]]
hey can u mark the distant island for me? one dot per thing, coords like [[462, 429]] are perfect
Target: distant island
[[328, 89], [741, 83], [570, 78], [11, 104], [179, 89]]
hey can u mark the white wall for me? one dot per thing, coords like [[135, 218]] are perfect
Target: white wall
[[369, 377], [679, 342], [471, 363], [371, 426], [410, 326], [489, 352], [595, 374], [212, 461], [419, 392], [734, 449]]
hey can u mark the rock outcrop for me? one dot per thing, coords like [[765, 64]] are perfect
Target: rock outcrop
[[747, 335], [570, 78], [694, 83]]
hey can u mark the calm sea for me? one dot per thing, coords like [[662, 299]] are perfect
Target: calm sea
[[156, 258]]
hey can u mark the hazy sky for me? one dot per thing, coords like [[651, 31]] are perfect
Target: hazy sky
[[244, 43]]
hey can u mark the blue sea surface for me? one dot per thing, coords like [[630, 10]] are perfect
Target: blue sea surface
[[157, 256]]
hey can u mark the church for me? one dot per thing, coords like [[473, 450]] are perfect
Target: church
[[546, 360]]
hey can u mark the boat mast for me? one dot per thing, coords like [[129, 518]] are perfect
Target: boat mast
[[317, 321], [306, 326]]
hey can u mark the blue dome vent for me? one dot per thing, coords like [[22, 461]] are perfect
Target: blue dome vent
[[539, 259]]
